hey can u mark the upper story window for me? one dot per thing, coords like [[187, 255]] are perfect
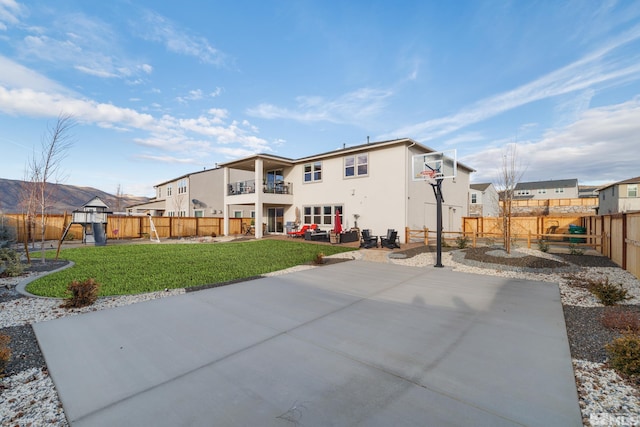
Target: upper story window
[[159, 192], [542, 191], [313, 172], [523, 192], [474, 198], [169, 190], [632, 190], [559, 190], [357, 165], [182, 186]]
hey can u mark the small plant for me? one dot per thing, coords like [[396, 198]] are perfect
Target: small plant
[[319, 259], [624, 355], [10, 260], [608, 293], [82, 293], [621, 320], [575, 250], [462, 241], [543, 246], [5, 352], [69, 237]]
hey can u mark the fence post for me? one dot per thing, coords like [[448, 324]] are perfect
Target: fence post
[[426, 236], [406, 234], [529, 240], [475, 238]]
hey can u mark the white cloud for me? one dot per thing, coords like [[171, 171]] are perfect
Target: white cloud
[[160, 29], [167, 159], [601, 68], [10, 13], [352, 107], [601, 146]]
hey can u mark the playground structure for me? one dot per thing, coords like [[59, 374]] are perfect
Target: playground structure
[[93, 218]]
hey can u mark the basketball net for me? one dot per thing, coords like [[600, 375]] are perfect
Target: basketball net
[[430, 176]]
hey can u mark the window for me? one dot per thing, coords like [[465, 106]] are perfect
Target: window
[[542, 191], [474, 198], [159, 192], [168, 190], [313, 172], [356, 165], [523, 192], [182, 186], [198, 213], [632, 190], [237, 214], [322, 215], [559, 190]]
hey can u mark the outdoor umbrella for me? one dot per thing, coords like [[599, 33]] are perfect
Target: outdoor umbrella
[[337, 228]]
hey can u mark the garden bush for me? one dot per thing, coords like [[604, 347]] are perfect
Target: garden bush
[[543, 245], [5, 352], [624, 355], [575, 250], [462, 242], [10, 260], [319, 258], [621, 319], [608, 293], [82, 293]]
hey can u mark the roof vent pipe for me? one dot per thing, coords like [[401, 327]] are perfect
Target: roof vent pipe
[[367, 139]]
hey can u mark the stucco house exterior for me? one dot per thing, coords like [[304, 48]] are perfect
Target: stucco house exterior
[[554, 189], [619, 197], [369, 184], [197, 194], [484, 200]]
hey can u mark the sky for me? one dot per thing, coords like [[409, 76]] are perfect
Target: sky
[[161, 89]]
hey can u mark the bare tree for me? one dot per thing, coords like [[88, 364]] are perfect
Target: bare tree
[[46, 167], [510, 174]]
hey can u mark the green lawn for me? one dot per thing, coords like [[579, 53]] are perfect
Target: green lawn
[[135, 269]]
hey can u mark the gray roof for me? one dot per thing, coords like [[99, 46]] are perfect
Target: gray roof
[[480, 187], [558, 183], [635, 180]]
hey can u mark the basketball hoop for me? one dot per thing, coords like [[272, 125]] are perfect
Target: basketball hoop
[[429, 176]]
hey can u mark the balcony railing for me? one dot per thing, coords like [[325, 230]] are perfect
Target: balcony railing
[[249, 187], [278, 187]]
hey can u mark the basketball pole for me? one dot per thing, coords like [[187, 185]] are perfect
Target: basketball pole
[[437, 191]]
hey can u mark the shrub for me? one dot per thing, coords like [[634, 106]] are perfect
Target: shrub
[[624, 355], [10, 259], [82, 293], [5, 352], [575, 250], [319, 259], [608, 293], [543, 245], [462, 241], [621, 320]]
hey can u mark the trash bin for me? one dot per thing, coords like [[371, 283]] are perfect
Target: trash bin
[[576, 229]]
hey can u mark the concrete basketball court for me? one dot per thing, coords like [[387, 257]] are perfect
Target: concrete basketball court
[[350, 344]]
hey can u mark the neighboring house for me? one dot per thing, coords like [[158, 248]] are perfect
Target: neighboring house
[[370, 184], [198, 194], [588, 191], [484, 200], [619, 197], [555, 189]]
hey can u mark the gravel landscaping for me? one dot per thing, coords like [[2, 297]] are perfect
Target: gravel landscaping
[[28, 397]]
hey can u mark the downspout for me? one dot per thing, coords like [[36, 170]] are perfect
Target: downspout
[[406, 189]]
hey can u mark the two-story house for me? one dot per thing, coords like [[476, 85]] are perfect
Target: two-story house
[[619, 197], [369, 185], [554, 189], [197, 194], [484, 200]]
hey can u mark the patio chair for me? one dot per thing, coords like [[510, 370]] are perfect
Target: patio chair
[[299, 233], [368, 241], [390, 241]]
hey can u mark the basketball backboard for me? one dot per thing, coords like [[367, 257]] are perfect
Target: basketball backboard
[[436, 165]]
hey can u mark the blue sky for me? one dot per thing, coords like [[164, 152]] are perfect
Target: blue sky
[[160, 89]]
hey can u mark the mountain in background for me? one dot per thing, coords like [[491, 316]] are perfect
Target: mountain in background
[[63, 197]]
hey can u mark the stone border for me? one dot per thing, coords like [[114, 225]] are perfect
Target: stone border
[[22, 285]]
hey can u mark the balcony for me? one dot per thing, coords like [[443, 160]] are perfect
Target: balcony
[[249, 187]]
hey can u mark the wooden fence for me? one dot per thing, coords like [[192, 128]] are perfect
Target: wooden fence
[[623, 243], [521, 226], [127, 227]]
